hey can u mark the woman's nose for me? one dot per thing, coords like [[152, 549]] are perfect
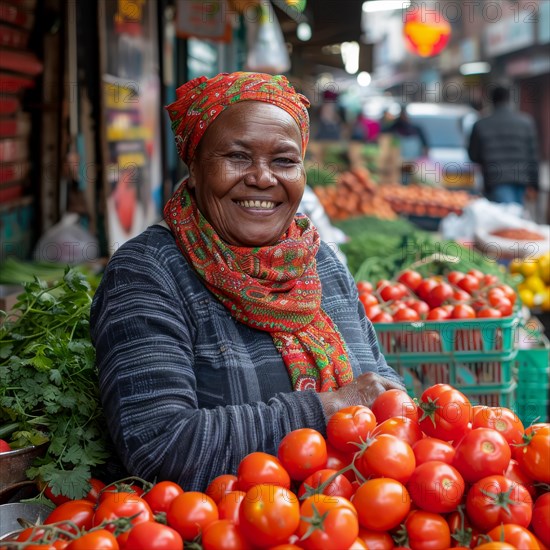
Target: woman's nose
[[260, 175]]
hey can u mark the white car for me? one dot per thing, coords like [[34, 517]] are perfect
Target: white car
[[447, 130]]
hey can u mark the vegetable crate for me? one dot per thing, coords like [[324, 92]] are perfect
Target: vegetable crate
[[475, 356], [533, 372]]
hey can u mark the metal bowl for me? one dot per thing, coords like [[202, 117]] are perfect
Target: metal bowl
[[14, 464], [10, 513]]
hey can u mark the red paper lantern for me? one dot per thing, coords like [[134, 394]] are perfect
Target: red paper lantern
[[426, 31]]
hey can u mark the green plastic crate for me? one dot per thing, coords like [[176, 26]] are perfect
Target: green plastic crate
[[532, 369], [436, 341]]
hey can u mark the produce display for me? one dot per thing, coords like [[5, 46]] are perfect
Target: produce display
[[354, 194], [434, 473], [457, 295], [533, 275], [49, 394], [422, 200], [517, 234]]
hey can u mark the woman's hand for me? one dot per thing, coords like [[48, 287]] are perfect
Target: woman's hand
[[362, 391]]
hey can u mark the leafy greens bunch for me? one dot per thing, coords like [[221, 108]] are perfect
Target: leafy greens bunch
[[48, 391]]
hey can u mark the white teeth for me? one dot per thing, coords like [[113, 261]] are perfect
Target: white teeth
[[267, 205]]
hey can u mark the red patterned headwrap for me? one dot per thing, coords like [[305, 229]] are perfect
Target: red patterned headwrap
[[202, 99]]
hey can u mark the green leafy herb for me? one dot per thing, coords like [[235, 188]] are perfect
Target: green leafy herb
[[49, 382]]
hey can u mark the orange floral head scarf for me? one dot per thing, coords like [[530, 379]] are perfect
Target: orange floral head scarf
[[202, 99]]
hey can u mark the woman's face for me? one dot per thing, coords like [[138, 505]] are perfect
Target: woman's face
[[248, 176]]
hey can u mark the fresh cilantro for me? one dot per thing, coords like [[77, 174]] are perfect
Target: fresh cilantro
[[49, 382]]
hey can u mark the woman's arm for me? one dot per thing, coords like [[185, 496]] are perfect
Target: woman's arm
[[144, 350]]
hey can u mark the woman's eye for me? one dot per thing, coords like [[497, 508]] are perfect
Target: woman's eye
[[237, 156], [285, 160]]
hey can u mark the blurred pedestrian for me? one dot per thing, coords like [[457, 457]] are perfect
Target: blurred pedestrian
[[505, 145], [330, 118], [413, 140]]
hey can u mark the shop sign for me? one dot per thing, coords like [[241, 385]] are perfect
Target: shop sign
[[510, 34], [200, 19], [131, 113]]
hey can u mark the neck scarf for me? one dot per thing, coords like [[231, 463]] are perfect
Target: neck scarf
[[271, 288]]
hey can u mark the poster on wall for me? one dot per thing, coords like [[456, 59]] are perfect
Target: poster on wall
[[131, 118]]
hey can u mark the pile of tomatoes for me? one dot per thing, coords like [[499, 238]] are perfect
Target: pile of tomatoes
[[427, 474], [457, 295]]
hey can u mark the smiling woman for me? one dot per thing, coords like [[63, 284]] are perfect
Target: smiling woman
[[231, 323]]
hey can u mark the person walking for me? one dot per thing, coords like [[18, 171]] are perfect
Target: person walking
[[504, 144]]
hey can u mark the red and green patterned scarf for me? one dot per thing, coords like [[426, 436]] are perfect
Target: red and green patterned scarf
[[271, 288]]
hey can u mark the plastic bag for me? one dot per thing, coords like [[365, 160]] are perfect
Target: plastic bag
[[267, 52], [68, 243]]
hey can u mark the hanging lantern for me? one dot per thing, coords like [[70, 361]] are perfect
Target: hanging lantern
[[426, 31], [298, 5]]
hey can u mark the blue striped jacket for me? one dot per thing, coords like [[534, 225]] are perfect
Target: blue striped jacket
[[187, 390]]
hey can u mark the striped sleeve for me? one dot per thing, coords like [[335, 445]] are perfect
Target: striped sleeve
[[144, 348]]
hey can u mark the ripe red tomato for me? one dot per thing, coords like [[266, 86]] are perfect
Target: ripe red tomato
[[96, 486], [100, 539], [269, 514], [489, 313], [462, 311], [223, 533], [364, 287], [476, 273], [382, 317], [392, 292], [162, 494], [372, 311], [376, 540], [533, 455], [411, 279], [516, 535], [258, 467], [444, 412], [339, 486], [424, 288], [80, 512], [489, 280], [337, 460], [427, 531], [350, 425], [151, 535], [540, 522], [190, 513], [221, 485], [482, 452], [517, 475], [386, 456], [56, 499], [381, 504], [495, 499], [430, 448], [509, 292], [460, 295], [439, 294], [454, 276], [436, 486], [438, 314], [302, 452], [339, 527], [501, 419], [119, 505], [368, 300], [401, 427], [229, 505], [394, 403], [463, 534], [406, 314], [421, 307], [504, 305], [469, 283]]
